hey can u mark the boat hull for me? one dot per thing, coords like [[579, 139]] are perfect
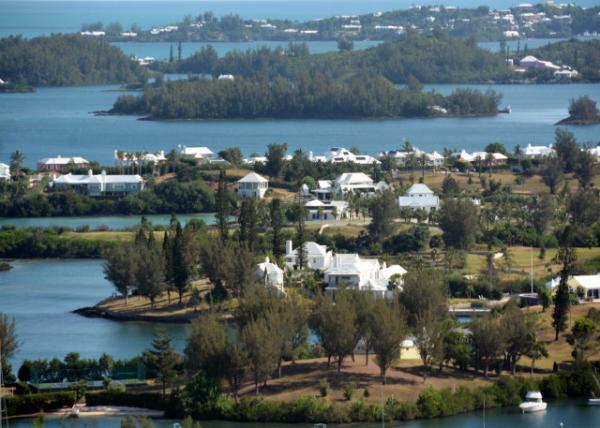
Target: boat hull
[[532, 408]]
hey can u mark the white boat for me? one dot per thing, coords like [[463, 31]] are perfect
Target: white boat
[[593, 401], [533, 402]]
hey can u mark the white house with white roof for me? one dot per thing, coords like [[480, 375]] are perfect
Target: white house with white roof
[[4, 172], [123, 158], [59, 163], [99, 184], [324, 190], [419, 196], [350, 182], [317, 256], [201, 154], [496, 158], [532, 62], [270, 274], [253, 186], [538, 152], [353, 272], [340, 154], [325, 210], [590, 284]]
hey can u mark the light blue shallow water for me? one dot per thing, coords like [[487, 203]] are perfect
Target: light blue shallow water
[[40, 295], [55, 121], [112, 222], [32, 18]]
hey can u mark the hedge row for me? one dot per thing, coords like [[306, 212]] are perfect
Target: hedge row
[[35, 403], [147, 400]]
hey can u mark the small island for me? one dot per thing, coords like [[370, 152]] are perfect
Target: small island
[[582, 111]]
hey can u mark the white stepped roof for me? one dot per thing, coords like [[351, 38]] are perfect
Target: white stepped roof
[[59, 160], [253, 177], [353, 178], [419, 189]]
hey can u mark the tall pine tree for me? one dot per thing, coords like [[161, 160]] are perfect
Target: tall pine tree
[[568, 257], [277, 223], [222, 206]]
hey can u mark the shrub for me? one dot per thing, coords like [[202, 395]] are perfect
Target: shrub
[[553, 386], [324, 388], [366, 393], [349, 391], [35, 403], [431, 403]]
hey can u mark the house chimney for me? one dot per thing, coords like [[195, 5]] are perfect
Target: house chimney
[[104, 173], [90, 172], [289, 247]]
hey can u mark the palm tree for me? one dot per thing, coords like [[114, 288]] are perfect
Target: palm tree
[[16, 161], [120, 157]]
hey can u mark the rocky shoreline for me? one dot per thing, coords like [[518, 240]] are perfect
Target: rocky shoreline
[[97, 312]]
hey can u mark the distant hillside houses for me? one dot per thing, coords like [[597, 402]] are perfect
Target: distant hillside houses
[[340, 154], [99, 184], [317, 256], [433, 159], [271, 275], [59, 163], [587, 287], [326, 210], [483, 157], [419, 196], [200, 154]]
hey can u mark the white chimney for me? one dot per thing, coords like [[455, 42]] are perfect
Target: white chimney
[[289, 247]]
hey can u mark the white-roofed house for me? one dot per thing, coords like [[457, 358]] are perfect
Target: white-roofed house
[[316, 256], [324, 190], [494, 158], [253, 186], [4, 172], [588, 284], [340, 154], [325, 210], [419, 196], [99, 184], [595, 152], [123, 158], [352, 182], [464, 156], [59, 163], [200, 154], [271, 275], [353, 272], [538, 152]]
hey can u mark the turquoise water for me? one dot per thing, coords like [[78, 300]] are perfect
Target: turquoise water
[[56, 121], [573, 414], [32, 18], [112, 222], [40, 295]]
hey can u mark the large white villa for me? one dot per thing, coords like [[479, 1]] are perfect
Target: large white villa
[[99, 184], [123, 158], [200, 154], [4, 172], [340, 154], [538, 152], [352, 271], [419, 196], [59, 163], [317, 256], [350, 182], [253, 185], [590, 284]]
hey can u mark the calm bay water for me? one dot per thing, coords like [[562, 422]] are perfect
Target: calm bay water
[[571, 413], [40, 295], [112, 222], [33, 18], [55, 121]]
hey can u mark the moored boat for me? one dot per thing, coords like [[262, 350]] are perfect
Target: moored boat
[[533, 402]]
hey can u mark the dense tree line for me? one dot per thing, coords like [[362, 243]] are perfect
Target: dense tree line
[[430, 59], [168, 197], [312, 96], [60, 60]]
